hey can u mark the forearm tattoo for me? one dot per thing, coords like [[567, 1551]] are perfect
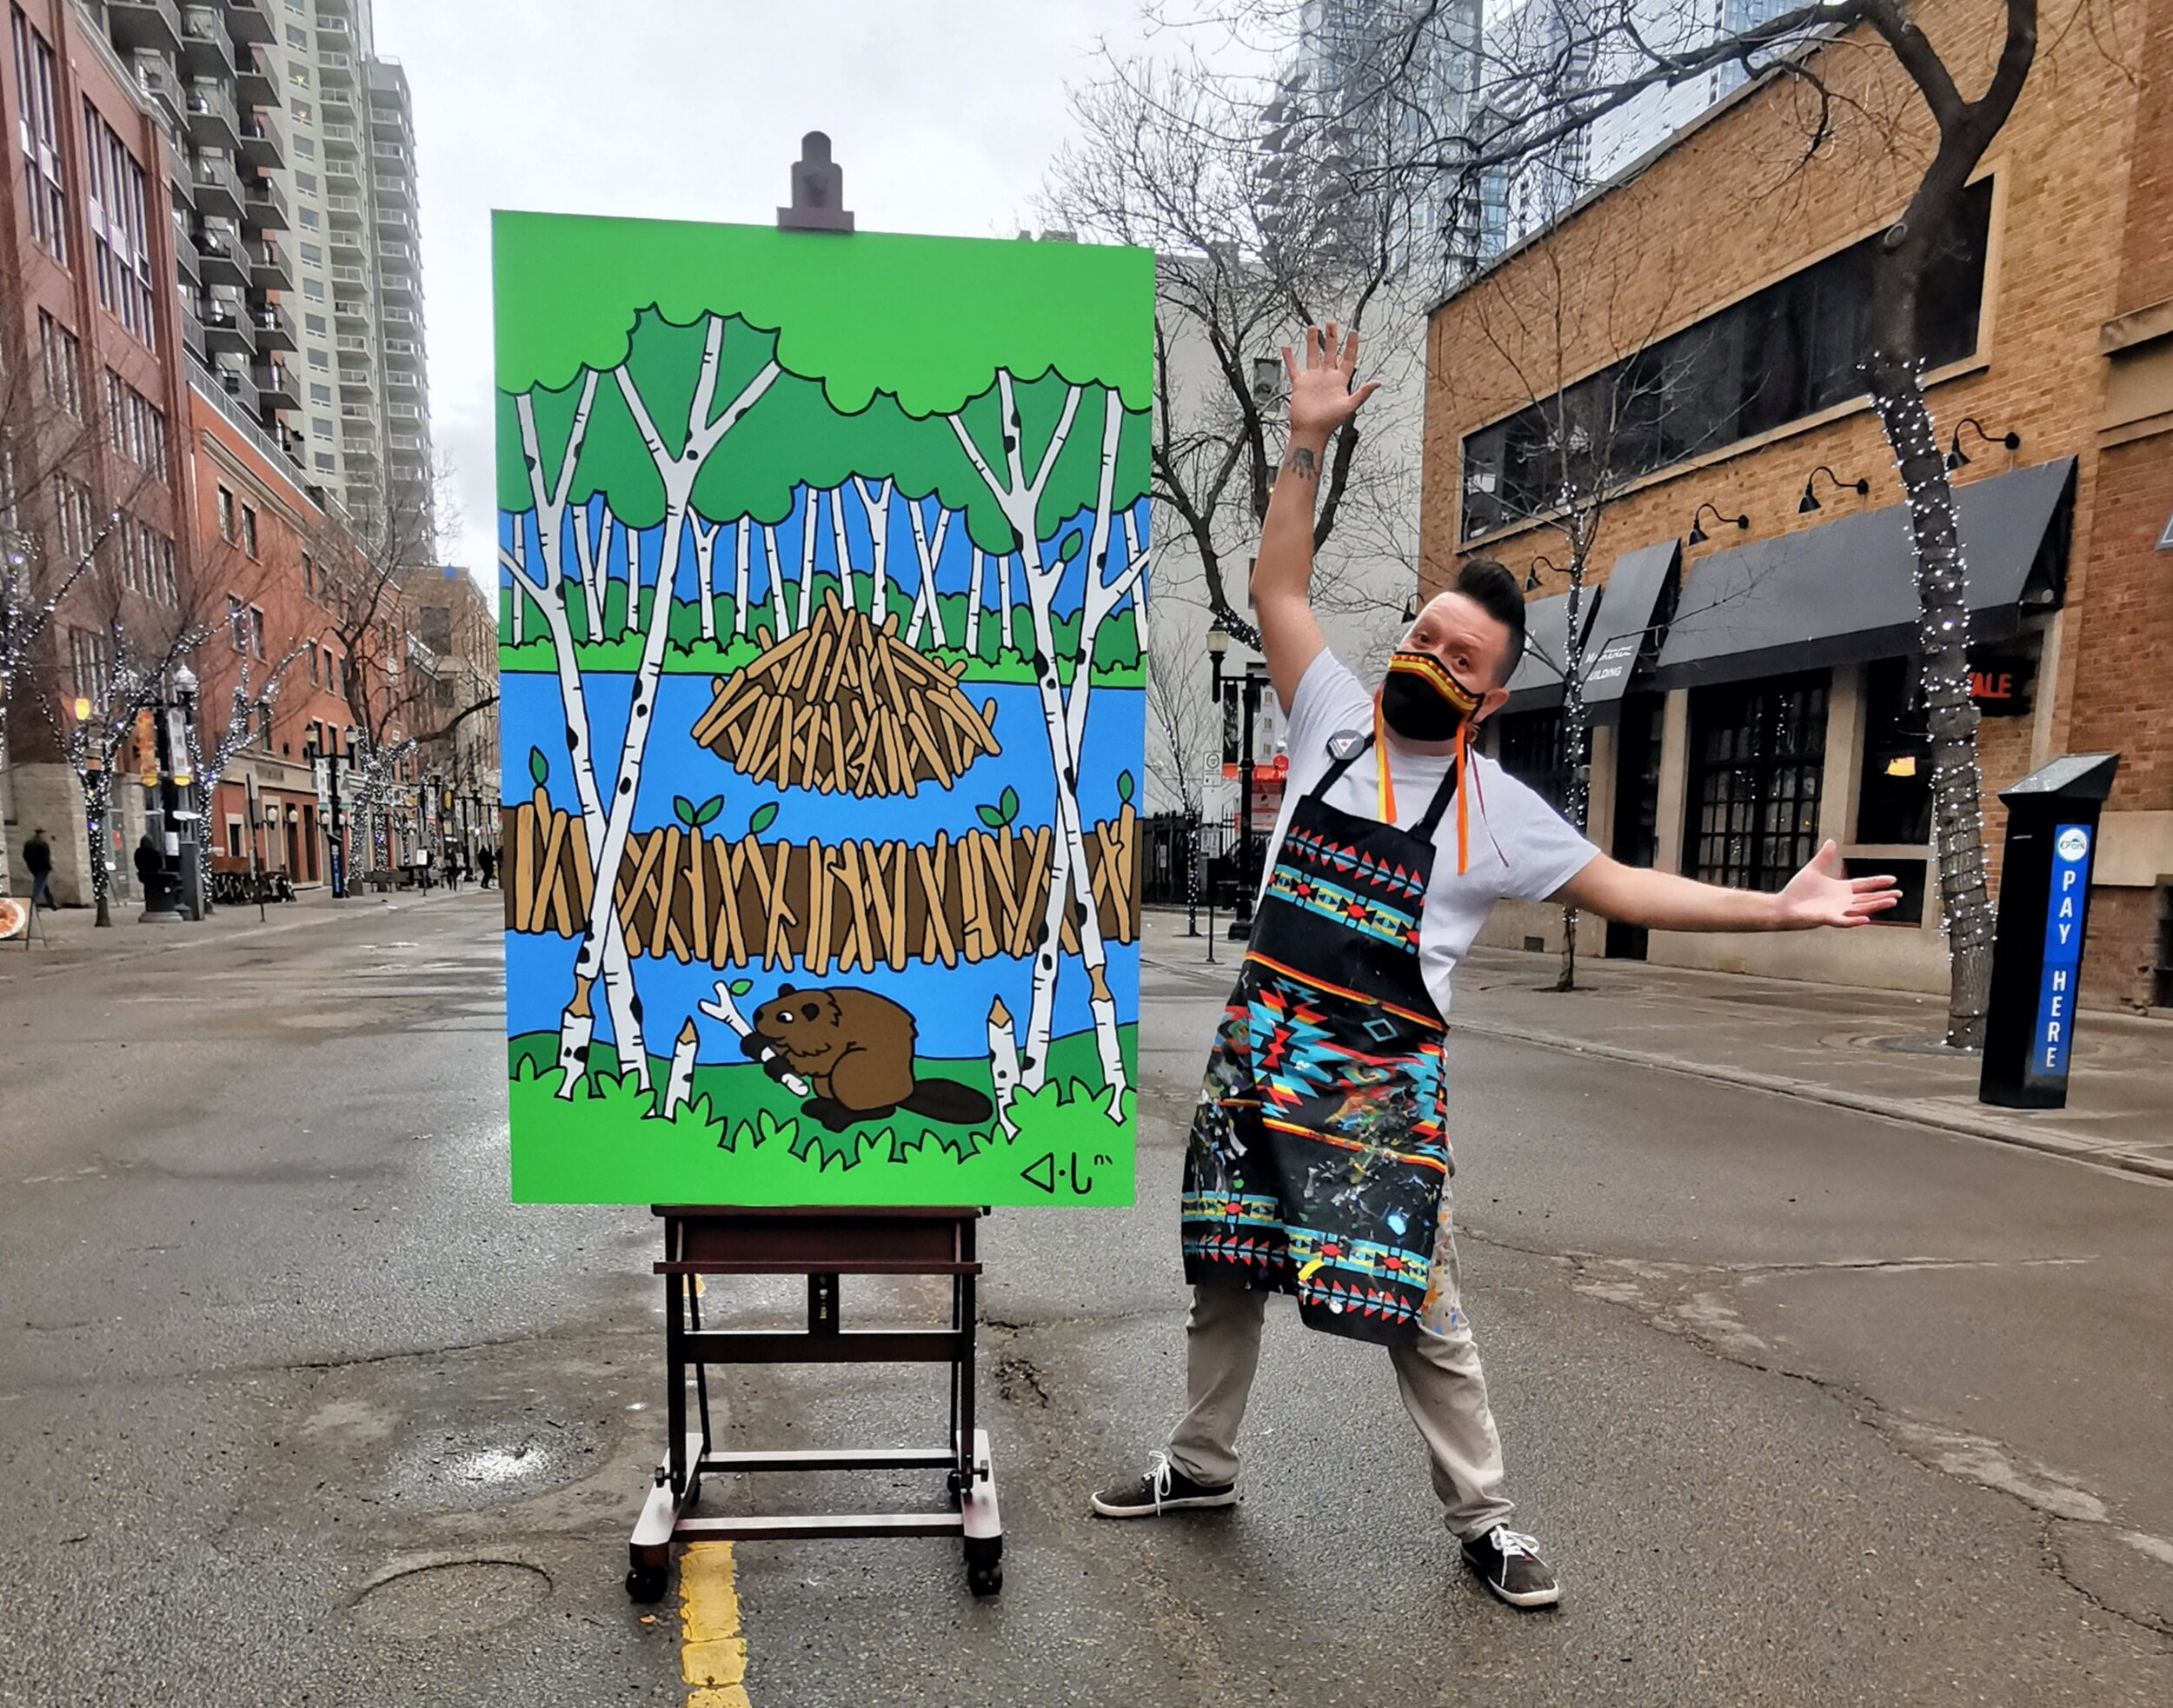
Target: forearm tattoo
[[1302, 463]]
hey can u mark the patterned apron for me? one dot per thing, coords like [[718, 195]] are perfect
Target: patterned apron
[[1318, 1161]]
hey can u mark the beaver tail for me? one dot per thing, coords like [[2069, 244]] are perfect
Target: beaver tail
[[948, 1100]]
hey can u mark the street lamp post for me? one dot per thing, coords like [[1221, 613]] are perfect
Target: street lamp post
[[1218, 645], [1241, 912], [189, 808]]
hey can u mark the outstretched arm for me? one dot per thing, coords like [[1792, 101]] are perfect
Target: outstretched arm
[[1815, 896], [1321, 400]]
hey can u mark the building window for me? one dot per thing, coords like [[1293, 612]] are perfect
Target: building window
[[309, 583], [309, 217], [319, 358], [92, 664], [256, 630], [1893, 802], [226, 514], [314, 323], [320, 427], [297, 36], [298, 76], [1788, 351], [249, 530], [60, 354], [1757, 754], [71, 518], [304, 111], [236, 624], [313, 290], [320, 394], [324, 463], [120, 249], [306, 147], [37, 125], [1535, 751], [312, 255]]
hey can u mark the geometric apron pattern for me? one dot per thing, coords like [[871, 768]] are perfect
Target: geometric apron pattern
[[1316, 1158]]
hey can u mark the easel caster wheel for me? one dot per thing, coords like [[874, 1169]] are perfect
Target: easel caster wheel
[[955, 1481], [985, 1581], [646, 1583]]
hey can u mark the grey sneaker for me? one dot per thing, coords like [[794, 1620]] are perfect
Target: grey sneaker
[[1163, 1487], [1510, 1565]]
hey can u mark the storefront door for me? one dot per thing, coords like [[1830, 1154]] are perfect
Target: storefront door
[[1636, 840]]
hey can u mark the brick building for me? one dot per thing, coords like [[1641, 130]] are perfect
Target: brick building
[[453, 621], [1702, 315], [92, 350]]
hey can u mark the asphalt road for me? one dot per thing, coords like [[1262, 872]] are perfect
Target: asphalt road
[[1807, 1408]]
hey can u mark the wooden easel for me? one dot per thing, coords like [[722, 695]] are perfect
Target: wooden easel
[[821, 1244]]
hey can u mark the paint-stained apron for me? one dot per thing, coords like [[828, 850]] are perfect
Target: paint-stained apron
[[1318, 1159]]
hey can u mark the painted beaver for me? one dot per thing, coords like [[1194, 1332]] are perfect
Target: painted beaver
[[854, 1049]]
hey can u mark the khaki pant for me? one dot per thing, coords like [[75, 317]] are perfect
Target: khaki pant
[[1438, 1370]]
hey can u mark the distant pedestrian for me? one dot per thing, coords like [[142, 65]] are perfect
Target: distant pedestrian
[[37, 860], [453, 869], [149, 862], [487, 863]]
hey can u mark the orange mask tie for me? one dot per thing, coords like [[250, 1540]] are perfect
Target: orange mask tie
[[1384, 785], [1463, 821]]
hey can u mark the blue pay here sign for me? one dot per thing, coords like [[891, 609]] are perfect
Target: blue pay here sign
[[2062, 956]]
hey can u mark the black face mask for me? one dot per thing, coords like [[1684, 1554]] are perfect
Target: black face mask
[[1421, 699]]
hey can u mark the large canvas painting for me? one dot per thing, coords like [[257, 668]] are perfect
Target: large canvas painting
[[822, 563]]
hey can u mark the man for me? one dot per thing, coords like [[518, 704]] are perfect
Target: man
[[486, 862], [37, 860], [1320, 1160]]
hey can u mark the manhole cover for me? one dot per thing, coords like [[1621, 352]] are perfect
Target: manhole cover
[[1923, 1047], [458, 1596]]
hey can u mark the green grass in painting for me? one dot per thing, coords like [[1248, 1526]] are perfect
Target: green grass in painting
[[742, 1138]]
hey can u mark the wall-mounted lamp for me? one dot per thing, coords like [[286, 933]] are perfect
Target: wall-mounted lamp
[[1957, 456], [1532, 575], [1697, 534], [1810, 499]]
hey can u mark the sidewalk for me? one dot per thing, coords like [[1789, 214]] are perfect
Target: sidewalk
[[71, 940], [1827, 1043]]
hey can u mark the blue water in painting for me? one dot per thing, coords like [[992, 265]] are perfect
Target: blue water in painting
[[950, 1004]]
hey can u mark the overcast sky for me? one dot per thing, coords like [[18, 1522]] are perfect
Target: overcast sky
[[942, 113]]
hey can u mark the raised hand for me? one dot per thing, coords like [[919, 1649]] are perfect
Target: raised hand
[[1819, 895], [1322, 396]]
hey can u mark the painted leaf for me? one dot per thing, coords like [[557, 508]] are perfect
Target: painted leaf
[[990, 816], [682, 809], [539, 767], [1008, 803], [1124, 787], [765, 815], [708, 810], [740, 987]]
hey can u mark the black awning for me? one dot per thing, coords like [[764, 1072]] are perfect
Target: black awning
[[1622, 631], [1846, 591], [1617, 623], [1537, 681]]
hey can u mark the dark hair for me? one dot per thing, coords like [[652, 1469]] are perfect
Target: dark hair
[[1491, 586]]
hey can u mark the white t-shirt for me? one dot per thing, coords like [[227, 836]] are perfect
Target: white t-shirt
[[1519, 846]]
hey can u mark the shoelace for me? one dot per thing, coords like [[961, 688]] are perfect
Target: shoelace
[[1159, 1473], [1512, 1544]]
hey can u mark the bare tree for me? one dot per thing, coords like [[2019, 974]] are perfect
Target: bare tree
[[1258, 232], [1503, 123]]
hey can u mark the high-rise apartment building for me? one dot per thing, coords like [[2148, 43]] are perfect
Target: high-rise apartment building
[[211, 74], [365, 412], [1542, 52], [299, 256]]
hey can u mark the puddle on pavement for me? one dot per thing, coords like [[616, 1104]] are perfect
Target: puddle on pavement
[[471, 1469], [451, 1598]]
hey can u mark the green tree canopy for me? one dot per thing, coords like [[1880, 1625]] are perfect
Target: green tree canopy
[[927, 320]]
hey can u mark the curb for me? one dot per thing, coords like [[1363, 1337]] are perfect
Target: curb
[[1994, 1131]]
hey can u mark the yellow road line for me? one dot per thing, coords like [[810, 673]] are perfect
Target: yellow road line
[[713, 1654]]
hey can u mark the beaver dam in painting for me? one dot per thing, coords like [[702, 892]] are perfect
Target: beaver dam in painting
[[845, 707]]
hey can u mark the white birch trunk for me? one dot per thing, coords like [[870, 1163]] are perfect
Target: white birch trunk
[[1003, 603], [1003, 1061], [721, 1006], [973, 603], [678, 1084], [838, 546], [876, 503], [741, 541], [705, 566], [929, 550], [781, 624], [1132, 555], [589, 557], [807, 557], [1065, 723], [678, 474], [576, 1029]]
